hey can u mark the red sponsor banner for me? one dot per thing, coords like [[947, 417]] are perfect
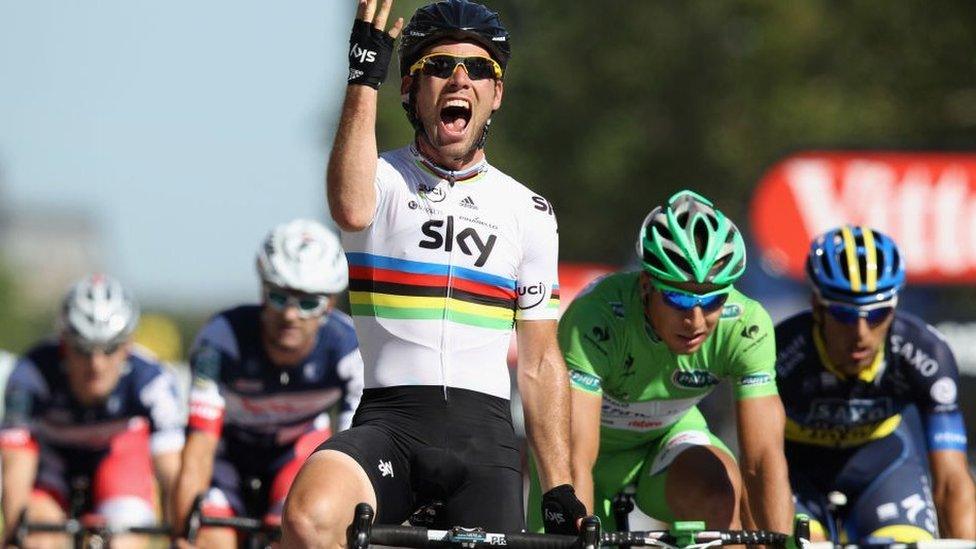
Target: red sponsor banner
[[925, 201]]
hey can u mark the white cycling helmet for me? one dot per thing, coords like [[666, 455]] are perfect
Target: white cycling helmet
[[303, 255], [97, 310]]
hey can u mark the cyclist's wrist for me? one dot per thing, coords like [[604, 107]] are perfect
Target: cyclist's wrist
[[370, 51]]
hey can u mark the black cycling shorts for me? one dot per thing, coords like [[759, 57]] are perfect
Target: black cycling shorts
[[413, 441]]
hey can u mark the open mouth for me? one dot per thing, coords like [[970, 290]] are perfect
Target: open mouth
[[692, 340], [455, 115]]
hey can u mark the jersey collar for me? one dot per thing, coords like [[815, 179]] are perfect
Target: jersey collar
[[451, 176], [867, 375]]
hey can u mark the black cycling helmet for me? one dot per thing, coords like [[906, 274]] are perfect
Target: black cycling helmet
[[457, 19]]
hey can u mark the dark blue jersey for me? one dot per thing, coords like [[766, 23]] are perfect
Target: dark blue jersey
[[826, 408], [39, 406], [238, 394]]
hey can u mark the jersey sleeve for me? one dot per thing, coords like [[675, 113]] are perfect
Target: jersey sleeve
[[936, 381], [586, 339], [384, 183], [753, 358], [213, 350], [160, 397], [24, 398], [537, 284]]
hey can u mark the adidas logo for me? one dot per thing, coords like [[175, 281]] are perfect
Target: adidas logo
[[355, 73], [468, 203]]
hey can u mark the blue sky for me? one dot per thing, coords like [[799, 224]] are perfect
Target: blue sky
[[185, 129]]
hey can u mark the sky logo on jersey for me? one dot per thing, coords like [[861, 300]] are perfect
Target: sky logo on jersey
[[468, 240], [693, 379], [431, 193]]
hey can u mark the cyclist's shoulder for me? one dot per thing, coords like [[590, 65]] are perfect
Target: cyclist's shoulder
[[741, 308], [742, 318], [142, 365], [37, 368], [45, 354], [607, 296], [918, 346], [911, 326], [227, 327], [338, 327], [395, 159], [531, 204]]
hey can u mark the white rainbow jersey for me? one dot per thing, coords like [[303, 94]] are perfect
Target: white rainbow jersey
[[449, 262]]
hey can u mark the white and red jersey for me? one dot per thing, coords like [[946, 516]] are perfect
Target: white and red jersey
[[239, 394], [39, 407]]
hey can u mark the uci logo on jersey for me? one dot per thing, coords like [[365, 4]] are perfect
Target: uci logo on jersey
[[468, 240], [533, 294], [431, 193], [693, 379]]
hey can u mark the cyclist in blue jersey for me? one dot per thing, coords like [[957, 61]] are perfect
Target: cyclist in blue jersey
[[265, 379], [447, 254], [847, 369], [87, 418]]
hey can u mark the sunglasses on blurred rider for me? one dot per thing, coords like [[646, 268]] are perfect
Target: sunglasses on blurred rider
[[308, 305]]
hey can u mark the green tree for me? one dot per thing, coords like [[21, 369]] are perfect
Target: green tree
[[612, 106]]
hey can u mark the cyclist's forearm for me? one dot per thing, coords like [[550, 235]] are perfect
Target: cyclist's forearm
[[583, 484], [545, 402], [955, 503], [194, 479], [352, 164], [167, 467], [19, 469], [769, 495]]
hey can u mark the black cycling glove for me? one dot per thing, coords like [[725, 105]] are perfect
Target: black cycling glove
[[561, 510], [370, 50]]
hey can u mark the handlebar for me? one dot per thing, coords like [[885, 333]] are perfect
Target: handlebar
[[363, 533]]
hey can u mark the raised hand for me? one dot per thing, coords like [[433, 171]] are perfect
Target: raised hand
[[370, 45]]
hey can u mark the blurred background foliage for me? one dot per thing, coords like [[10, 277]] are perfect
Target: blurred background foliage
[[611, 106]]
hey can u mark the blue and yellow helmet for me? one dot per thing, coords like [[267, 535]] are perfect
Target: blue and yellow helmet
[[856, 265]]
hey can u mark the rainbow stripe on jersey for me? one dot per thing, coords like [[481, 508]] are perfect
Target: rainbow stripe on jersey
[[388, 287]]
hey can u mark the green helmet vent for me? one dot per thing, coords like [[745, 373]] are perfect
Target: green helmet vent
[[688, 240]]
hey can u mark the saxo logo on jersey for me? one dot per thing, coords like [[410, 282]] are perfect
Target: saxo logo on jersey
[[468, 239]]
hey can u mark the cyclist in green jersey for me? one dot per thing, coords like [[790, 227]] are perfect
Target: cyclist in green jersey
[[643, 348]]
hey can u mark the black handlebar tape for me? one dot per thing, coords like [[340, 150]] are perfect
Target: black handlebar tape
[[401, 536]]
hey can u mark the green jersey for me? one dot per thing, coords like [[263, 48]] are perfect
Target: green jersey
[[611, 350]]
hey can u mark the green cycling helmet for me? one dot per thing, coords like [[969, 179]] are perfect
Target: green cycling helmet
[[690, 241]]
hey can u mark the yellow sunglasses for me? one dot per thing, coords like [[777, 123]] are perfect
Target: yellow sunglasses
[[443, 65]]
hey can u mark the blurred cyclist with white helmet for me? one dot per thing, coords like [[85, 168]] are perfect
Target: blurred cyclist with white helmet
[[87, 409], [265, 378]]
